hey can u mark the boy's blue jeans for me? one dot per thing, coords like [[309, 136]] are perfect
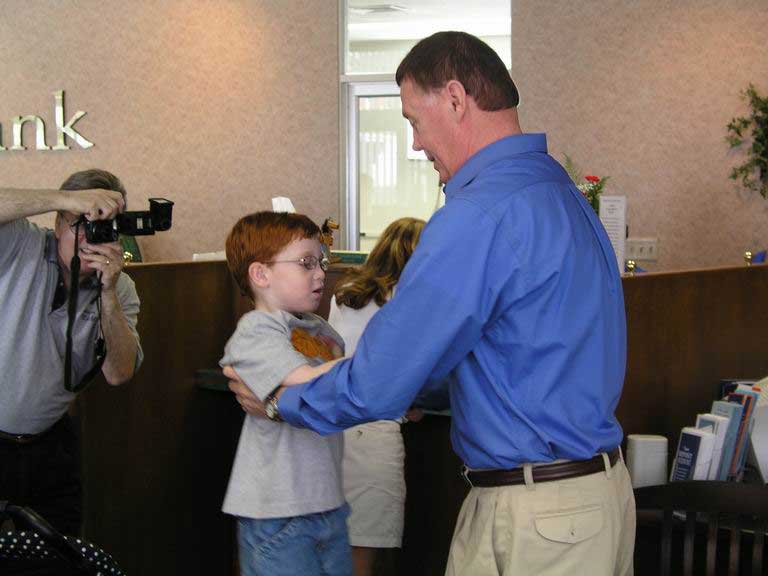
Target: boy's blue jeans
[[307, 545]]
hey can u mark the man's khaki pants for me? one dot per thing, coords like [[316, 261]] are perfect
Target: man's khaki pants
[[582, 525]]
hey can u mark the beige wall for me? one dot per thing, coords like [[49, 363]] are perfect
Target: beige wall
[[221, 105], [217, 105], [642, 91]]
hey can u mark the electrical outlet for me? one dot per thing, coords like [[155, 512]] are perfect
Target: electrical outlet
[[641, 249]]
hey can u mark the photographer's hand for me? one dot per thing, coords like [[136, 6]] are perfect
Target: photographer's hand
[[95, 204], [107, 260]]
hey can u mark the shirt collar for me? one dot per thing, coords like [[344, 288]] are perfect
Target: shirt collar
[[509, 146]]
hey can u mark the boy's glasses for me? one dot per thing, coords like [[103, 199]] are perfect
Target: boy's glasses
[[308, 262]]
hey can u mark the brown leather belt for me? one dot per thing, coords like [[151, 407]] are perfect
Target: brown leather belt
[[543, 473]]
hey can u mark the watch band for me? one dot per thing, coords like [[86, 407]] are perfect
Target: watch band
[[270, 405]]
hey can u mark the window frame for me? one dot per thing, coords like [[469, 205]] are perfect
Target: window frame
[[352, 87]]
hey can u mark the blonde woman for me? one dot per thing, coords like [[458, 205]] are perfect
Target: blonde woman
[[374, 483]]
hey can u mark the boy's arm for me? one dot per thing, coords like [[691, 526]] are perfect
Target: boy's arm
[[263, 354], [251, 403]]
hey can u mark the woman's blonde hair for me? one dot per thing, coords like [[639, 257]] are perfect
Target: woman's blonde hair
[[376, 278]]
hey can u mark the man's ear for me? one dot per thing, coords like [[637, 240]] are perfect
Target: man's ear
[[457, 96], [258, 274]]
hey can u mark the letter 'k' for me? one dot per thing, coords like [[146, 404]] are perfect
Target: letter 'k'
[[62, 129]]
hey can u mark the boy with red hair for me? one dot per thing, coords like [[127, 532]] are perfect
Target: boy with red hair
[[285, 487]]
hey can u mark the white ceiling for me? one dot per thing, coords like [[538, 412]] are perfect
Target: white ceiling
[[412, 19]]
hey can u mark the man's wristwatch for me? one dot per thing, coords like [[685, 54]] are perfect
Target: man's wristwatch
[[270, 405]]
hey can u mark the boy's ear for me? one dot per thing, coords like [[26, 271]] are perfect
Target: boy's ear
[[258, 274]]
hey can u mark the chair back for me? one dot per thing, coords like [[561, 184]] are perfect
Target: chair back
[[710, 507]]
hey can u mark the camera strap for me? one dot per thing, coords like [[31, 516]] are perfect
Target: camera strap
[[74, 290]]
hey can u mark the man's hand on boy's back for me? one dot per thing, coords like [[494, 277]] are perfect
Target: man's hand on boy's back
[[245, 397]]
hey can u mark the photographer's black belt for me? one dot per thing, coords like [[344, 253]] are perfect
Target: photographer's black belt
[[20, 438], [27, 438], [543, 473]]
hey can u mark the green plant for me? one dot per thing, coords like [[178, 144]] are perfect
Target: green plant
[[573, 171], [590, 186], [753, 173]]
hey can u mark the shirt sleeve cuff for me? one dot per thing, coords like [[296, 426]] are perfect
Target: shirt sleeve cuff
[[288, 405]]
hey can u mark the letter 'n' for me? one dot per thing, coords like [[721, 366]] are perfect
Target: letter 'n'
[[18, 129]]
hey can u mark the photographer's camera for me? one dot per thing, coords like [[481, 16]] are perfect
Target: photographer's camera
[[141, 223]]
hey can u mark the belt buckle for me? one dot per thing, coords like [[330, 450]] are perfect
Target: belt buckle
[[464, 473]]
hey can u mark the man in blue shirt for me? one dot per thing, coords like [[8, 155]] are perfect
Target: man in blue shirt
[[513, 291]]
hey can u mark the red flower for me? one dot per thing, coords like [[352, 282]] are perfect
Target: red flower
[[593, 179]]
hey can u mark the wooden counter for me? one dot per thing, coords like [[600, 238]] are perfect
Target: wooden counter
[[685, 332], [157, 451]]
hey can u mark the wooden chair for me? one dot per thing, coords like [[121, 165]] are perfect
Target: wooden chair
[[714, 507]]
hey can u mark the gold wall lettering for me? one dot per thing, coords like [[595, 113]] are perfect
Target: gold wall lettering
[[62, 130]]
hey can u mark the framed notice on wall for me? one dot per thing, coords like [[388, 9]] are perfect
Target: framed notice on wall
[[613, 215]]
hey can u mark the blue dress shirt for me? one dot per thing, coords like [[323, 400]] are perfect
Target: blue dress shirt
[[515, 293]]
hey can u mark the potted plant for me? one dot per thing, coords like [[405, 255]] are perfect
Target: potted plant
[[753, 173], [590, 186]]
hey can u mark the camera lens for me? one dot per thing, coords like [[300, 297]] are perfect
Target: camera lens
[[100, 231]]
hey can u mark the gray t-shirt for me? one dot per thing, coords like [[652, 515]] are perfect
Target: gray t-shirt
[[279, 470], [33, 336]]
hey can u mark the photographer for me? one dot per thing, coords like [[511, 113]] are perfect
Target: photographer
[[39, 447]]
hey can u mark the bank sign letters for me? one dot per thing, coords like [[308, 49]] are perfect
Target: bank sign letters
[[62, 129]]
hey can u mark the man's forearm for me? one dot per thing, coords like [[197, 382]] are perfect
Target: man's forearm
[[305, 373], [121, 343], [18, 203], [96, 204]]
